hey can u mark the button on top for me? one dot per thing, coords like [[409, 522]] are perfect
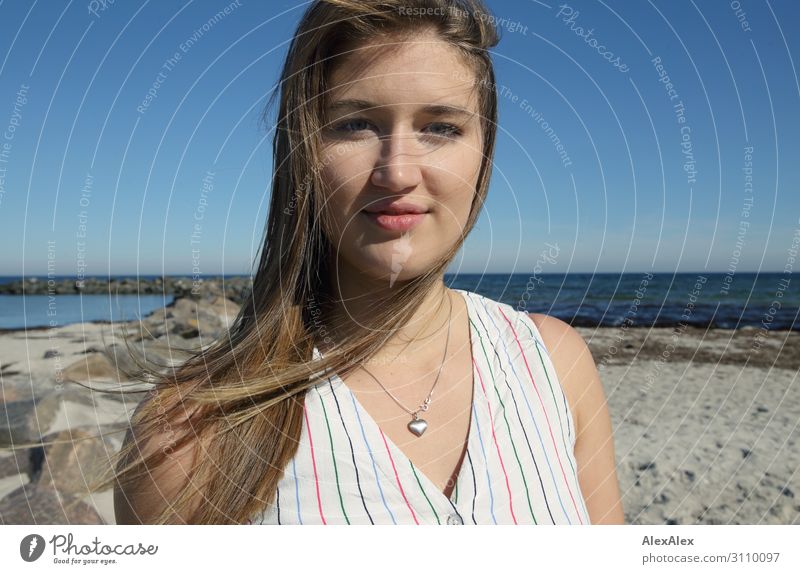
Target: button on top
[[454, 519]]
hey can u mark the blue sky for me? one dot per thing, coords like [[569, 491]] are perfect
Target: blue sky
[[95, 177]]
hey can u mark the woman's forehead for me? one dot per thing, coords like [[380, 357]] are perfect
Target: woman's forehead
[[402, 65], [419, 86]]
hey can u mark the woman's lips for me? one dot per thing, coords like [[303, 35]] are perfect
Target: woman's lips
[[395, 222]]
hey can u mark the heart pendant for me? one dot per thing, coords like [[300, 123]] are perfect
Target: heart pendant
[[418, 426]]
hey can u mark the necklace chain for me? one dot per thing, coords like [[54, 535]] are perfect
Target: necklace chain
[[424, 406]]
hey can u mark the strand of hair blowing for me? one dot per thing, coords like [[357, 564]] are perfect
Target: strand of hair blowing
[[237, 405]]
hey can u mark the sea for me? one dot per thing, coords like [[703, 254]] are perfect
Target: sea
[[646, 299]]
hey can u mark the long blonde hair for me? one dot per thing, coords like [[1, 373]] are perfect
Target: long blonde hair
[[245, 391]]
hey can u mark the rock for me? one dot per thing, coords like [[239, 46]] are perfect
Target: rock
[[72, 462], [92, 413], [24, 421], [11, 483], [6, 371], [94, 367], [14, 463], [207, 319], [50, 353], [9, 394], [39, 504]]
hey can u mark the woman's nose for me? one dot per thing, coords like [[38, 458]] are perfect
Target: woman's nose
[[398, 166]]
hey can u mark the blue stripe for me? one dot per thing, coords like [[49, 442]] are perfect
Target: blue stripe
[[486, 463], [296, 491], [536, 426], [372, 458]]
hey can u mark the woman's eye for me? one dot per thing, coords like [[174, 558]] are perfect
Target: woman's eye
[[438, 130], [446, 130], [343, 127]]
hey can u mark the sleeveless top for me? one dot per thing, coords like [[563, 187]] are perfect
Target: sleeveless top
[[519, 466]]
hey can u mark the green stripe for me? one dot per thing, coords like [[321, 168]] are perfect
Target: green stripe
[[508, 426], [335, 468], [552, 392], [423, 491], [563, 436]]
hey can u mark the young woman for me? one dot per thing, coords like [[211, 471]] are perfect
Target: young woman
[[355, 387]]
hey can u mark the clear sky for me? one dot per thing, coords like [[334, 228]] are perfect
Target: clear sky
[[597, 154]]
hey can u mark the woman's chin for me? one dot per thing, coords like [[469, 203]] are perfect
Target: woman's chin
[[392, 270]]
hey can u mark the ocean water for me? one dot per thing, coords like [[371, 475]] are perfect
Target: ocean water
[[770, 300], [33, 311], [648, 299]]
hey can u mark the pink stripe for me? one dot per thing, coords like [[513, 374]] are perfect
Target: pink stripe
[[397, 477], [541, 402], [314, 463], [497, 446]]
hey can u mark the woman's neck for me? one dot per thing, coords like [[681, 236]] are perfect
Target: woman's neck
[[356, 297]]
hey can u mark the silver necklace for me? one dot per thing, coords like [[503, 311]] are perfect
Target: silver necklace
[[417, 425]]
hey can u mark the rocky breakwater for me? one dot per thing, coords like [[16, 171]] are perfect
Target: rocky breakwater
[[235, 288]]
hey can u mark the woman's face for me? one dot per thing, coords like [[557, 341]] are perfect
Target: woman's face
[[402, 135]]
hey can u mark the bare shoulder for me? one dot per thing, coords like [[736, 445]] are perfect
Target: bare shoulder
[[570, 356], [594, 441], [141, 500]]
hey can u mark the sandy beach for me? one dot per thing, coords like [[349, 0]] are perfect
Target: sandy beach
[[705, 421]]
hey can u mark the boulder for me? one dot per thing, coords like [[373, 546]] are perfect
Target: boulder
[[95, 367], [72, 461], [39, 504], [25, 421]]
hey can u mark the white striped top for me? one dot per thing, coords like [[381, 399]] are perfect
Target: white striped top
[[519, 467]]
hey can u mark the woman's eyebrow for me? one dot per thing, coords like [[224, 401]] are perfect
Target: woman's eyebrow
[[431, 109]]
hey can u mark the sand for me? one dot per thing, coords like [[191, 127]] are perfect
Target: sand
[[705, 422]]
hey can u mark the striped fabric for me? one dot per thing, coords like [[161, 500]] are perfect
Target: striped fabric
[[519, 467]]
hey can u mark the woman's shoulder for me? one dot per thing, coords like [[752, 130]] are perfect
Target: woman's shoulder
[[572, 360], [141, 497]]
